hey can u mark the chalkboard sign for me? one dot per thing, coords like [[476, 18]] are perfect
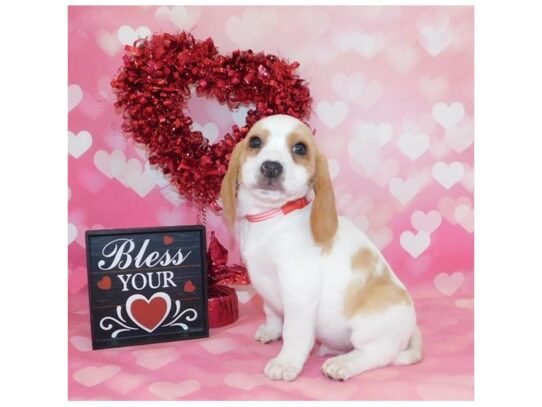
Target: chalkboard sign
[[147, 285]]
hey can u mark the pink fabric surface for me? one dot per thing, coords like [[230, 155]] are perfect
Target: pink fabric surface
[[393, 111], [229, 364]]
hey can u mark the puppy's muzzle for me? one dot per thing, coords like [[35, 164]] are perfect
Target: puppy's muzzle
[[271, 169]]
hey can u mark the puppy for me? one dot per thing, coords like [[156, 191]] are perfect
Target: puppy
[[320, 277]]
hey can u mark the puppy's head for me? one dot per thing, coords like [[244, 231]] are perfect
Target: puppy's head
[[278, 162]]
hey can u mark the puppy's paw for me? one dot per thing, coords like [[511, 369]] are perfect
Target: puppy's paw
[[337, 368], [282, 369], [266, 334]]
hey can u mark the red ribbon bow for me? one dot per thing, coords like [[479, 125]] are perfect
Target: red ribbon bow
[[220, 273], [223, 304]]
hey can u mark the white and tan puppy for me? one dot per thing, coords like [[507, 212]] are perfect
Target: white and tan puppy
[[320, 277]]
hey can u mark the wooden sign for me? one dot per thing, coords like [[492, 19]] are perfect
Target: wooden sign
[[147, 285]]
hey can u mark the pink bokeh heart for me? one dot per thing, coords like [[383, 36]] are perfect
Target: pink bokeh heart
[[172, 391], [448, 284], [91, 376], [426, 222]]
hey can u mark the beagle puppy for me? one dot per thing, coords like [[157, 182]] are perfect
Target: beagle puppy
[[320, 277]]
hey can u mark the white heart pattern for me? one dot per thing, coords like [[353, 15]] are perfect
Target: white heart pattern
[[75, 95], [426, 222], [364, 148], [209, 130], [218, 346], [332, 114], [253, 25], [363, 153], [404, 190], [172, 195], [415, 244], [108, 42], [348, 87], [153, 173], [91, 376], [460, 137], [413, 145], [448, 116], [448, 284], [314, 22], [110, 164], [244, 381], [184, 18], [448, 175], [383, 132], [365, 44], [465, 303], [79, 144], [72, 233], [138, 180], [435, 40], [447, 206], [464, 216], [240, 114], [129, 173], [81, 343], [154, 359], [468, 179], [127, 35], [173, 391]]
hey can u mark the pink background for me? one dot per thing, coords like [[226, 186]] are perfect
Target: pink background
[[394, 113]]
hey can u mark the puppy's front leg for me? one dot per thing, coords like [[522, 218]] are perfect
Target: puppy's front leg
[[299, 300], [272, 329]]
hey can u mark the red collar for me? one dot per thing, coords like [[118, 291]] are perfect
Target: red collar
[[284, 209]]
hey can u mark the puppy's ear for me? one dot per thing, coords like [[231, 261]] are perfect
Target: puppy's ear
[[228, 189], [324, 215]]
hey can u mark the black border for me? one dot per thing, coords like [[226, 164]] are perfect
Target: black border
[[134, 231]]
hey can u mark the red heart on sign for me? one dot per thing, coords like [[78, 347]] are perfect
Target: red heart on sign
[[189, 287], [148, 314], [105, 283], [168, 240]]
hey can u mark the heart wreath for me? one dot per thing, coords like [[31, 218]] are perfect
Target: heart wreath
[[153, 86]]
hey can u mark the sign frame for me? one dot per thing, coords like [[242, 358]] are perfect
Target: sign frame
[[148, 337]]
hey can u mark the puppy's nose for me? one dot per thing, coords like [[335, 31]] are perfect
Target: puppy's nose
[[271, 169]]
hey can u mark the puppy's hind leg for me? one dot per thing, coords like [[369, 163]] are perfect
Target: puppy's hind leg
[[414, 353], [378, 341], [372, 355], [323, 350], [272, 329]]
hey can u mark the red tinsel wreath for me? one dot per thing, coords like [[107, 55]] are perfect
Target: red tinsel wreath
[[153, 86]]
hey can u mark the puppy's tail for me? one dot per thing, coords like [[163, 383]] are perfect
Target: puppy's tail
[[414, 352]]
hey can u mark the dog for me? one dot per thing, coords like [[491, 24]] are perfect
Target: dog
[[320, 277]]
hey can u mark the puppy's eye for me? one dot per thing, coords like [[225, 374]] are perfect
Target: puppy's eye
[[300, 149], [255, 142]]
